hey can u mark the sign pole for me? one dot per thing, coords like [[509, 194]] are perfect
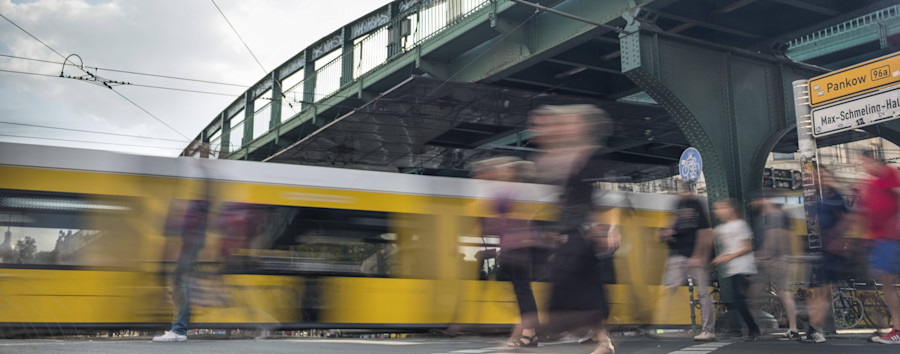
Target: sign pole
[[808, 162], [809, 176]]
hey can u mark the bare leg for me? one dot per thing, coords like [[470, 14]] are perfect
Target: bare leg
[[790, 309], [604, 343], [516, 333], [890, 297], [819, 306]]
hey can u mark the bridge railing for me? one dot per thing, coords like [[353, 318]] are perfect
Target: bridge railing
[[873, 18], [322, 69]]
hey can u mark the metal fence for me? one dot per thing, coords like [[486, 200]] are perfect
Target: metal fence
[[418, 21], [873, 18]]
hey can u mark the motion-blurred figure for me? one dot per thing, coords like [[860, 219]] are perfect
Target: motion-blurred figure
[[773, 228], [836, 251], [582, 264], [879, 201], [522, 250], [190, 218], [689, 239], [736, 259]]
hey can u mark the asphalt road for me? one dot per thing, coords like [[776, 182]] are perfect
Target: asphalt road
[[488, 345]]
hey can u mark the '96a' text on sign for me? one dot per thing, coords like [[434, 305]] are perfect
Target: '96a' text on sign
[[848, 82]]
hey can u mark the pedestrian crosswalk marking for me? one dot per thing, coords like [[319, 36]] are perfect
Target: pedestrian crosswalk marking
[[701, 348]]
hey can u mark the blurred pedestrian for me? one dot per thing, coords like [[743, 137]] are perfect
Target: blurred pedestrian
[[582, 264], [522, 250], [736, 259], [190, 219], [879, 201], [836, 252], [773, 229], [689, 238]]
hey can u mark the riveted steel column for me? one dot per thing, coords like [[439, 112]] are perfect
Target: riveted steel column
[[394, 33], [275, 107], [309, 81], [347, 56], [224, 146], [248, 117], [204, 144], [730, 105]]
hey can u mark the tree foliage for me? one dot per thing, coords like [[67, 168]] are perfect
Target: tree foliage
[[25, 249]]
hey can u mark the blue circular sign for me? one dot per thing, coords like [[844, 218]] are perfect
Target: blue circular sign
[[691, 165]]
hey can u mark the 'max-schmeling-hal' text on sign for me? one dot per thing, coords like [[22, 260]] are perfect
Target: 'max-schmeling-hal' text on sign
[[860, 78], [857, 112]]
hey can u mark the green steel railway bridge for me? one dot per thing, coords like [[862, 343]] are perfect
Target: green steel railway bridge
[[425, 86]]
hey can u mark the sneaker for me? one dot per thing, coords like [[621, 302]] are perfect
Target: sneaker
[[791, 335], [877, 335], [170, 337], [705, 335], [893, 337], [816, 337]]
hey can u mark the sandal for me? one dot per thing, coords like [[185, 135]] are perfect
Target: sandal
[[605, 347], [524, 341]]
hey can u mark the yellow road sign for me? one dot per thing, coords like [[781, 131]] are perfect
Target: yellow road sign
[[853, 80]]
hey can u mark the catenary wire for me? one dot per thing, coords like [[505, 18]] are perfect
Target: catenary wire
[[130, 84], [239, 36], [126, 71], [92, 131], [91, 142], [32, 36], [151, 114], [27, 73], [117, 92]]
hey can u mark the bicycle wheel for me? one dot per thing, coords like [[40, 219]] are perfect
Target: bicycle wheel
[[876, 312], [847, 311]]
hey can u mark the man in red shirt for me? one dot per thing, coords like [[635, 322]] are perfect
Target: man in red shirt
[[880, 201]]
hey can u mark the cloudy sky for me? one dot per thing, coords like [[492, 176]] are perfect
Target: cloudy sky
[[179, 38]]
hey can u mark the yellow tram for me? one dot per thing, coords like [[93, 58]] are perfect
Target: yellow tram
[[334, 248]]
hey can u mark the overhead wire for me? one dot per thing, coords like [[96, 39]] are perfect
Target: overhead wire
[[126, 71], [239, 36], [91, 131], [129, 84], [150, 114], [108, 86], [276, 82], [91, 142], [27, 73], [32, 36]]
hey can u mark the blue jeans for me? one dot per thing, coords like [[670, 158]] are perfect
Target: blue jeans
[[182, 294]]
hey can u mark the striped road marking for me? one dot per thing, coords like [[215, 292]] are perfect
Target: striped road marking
[[701, 348]]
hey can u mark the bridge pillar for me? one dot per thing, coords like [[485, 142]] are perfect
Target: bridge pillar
[[732, 105]]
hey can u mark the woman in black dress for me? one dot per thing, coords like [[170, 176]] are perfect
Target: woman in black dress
[[582, 263]]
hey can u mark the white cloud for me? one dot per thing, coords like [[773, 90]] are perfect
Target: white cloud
[[174, 38]]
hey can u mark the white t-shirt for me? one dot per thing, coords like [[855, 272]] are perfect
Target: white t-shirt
[[730, 236]]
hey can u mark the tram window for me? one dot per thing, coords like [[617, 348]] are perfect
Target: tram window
[[325, 241], [479, 251], [42, 228]]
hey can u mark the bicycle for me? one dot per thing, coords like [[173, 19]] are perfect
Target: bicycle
[[847, 310], [877, 314]]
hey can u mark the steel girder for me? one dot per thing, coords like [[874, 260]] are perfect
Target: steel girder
[[525, 42], [732, 105]]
